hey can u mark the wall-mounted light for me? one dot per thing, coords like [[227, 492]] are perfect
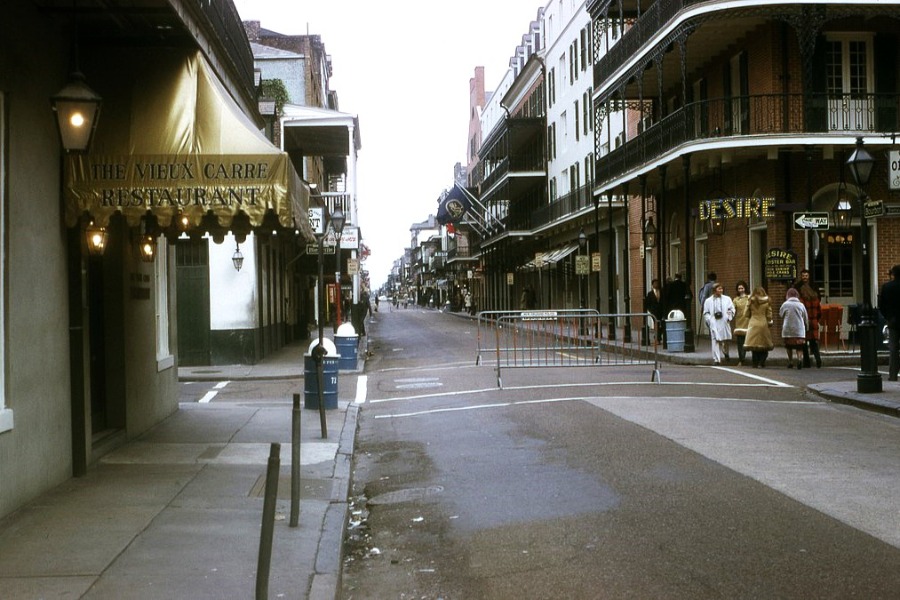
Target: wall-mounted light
[[77, 110], [237, 259], [146, 248], [650, 232], [96, 238], [717, 225], [842, 213]]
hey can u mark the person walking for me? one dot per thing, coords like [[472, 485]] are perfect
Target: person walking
[[794, 324], [759, 338], [889, 305], [718, 311], [653, 304], [741, 319], [810, 299], [705, 292]]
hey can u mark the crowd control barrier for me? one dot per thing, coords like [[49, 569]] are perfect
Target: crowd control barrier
[[569, 338]]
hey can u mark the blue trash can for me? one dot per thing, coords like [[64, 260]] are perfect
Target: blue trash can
[[346, 341], [311, 377], [675, 323]]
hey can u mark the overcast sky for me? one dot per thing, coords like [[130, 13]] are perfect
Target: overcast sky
[[403, 68]]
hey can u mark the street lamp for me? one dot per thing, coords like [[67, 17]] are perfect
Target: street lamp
[[868, 380], [337, 223], [650, 233]]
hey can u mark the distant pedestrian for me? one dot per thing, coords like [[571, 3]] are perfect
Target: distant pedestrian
[[718, 311], [653, 304], [889, 305], [377, 301], [759, 338], [794, 324], [741, 320], [810, 299]]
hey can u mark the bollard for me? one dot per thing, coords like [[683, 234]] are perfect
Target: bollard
[[268, 523], [295, 462]]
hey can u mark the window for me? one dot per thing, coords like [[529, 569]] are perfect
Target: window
[[164, 358], [577, 115], [6, 414], [551, 88], [553, 189], [586, 107], [564, 119], [562, 72]]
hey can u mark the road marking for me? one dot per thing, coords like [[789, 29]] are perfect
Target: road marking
[[593, 401], [208, 396], [361, 383], [754, 376], [571, 385]]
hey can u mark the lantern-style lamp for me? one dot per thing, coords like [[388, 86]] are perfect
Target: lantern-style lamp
[[237, 259], [96, 238], [650, 232], [77, 110]]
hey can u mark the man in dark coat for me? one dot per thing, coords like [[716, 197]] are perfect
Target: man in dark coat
[[676, 294], [889, 305]]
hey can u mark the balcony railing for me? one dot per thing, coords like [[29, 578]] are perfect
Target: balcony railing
[[652, 20], [226, 23], [749, 116], [563, 206]]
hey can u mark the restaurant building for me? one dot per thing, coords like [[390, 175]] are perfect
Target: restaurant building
[[171, 148]]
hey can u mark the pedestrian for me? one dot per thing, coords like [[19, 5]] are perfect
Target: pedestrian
[[468, 302], [794, 324], [718, 311], [377, 302], [741, 320], [676, 294], [524, 299], [653, 304], [810, 299], [759, 338], [705, 292], [889, 305]]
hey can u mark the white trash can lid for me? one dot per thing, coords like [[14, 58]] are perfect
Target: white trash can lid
[[675, 315], [346, 330], [330, 348]]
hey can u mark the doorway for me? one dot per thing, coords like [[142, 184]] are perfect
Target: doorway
[[192, 282]]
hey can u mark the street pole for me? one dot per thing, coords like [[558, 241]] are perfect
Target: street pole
[[868, 380]]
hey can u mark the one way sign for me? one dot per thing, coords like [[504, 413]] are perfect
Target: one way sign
[[810, 220]]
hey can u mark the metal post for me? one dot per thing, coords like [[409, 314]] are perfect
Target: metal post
[[611, 268], [318, 353], [868, 381], [689, 268], [295, 462], [597, 235], [268, 523], [626, 264]]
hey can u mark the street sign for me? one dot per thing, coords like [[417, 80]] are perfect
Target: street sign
[[582, 265], [314, 249], [873, 209], [810, 221], [892, 210], [317, 219]]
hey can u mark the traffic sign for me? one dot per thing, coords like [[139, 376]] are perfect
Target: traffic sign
[[810, 221], [873, 208]]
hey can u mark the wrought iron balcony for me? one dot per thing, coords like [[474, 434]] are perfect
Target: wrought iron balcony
[[753, 116]]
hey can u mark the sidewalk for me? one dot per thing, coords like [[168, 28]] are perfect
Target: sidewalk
[[177, 512]]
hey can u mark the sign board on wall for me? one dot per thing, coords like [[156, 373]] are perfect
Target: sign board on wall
[[894, 169], [781, 264]]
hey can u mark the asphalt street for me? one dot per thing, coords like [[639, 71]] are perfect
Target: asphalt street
[[597, 483]]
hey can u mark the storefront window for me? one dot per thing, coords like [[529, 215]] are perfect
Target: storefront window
[[834, 270]]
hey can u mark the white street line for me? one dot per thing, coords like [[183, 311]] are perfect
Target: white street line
[[221, 385], [207, 397], [594, 384], [361, 383], [593, 401], [754, 376]]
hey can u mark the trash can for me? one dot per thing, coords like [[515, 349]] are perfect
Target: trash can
[[675, 323], [346, 341], [311, 376]]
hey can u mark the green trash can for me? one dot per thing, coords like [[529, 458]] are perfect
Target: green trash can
[[311, 377]]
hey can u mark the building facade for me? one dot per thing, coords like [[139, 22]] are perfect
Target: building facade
[[89, 306]]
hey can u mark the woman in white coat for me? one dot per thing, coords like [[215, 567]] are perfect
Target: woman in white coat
[[794, 325], [718, 311]]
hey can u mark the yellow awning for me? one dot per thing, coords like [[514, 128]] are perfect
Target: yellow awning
[[175, 142]]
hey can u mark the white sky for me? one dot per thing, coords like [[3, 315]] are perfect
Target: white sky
[[403, 68]]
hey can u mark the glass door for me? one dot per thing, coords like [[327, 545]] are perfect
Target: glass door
[[850, 83]]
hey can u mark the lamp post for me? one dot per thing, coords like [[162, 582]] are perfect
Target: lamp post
[[649, 242], [597, 237], [582, 243], [337, 223], [868, 380]]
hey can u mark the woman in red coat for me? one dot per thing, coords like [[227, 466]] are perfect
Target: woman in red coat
[[810, 299]]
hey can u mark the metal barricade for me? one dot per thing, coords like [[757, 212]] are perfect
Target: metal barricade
[[488, 320], [547, 339]]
